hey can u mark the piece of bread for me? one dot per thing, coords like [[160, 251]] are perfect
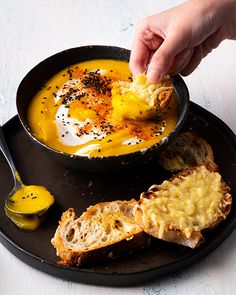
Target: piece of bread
[[105, 230], [188, 149], [179, 209], [140, 99]]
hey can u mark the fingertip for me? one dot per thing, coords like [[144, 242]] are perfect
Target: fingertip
[[154, 76], [135, 68]]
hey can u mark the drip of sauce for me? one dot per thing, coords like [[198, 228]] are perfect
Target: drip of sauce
[[25, 222]]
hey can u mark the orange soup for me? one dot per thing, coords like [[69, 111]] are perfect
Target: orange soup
[[73, 113]]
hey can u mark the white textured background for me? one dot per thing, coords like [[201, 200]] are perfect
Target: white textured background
[[31, 30]]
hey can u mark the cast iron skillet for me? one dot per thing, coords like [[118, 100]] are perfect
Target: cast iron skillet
[[41, 73]]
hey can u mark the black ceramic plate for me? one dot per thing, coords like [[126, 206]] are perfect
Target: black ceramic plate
[[79, 190]]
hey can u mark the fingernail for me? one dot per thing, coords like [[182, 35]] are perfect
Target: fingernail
[[136, 69], [154, 76]]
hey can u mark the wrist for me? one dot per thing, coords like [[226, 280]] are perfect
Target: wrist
[[213, 15], [226, 10]]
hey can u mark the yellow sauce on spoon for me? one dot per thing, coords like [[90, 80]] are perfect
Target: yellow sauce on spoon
[[30, 199], [27, 206], [24, 205]]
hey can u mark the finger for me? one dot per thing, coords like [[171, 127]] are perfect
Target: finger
[[139, 57], [194, 62], [202, 51], [212, 42], [163, 57], [181, 61], [142, 50], [145, 42]]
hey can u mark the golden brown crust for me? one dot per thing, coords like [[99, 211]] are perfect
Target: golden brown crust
[[165, 97], [113, 251], [57, 241], [188, 149]]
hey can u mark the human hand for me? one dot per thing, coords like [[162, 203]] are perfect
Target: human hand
[[176, 40]]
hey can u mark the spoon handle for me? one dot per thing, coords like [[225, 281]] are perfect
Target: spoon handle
[[5, 150]]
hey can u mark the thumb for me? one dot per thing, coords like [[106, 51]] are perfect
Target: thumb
[[163, 58]]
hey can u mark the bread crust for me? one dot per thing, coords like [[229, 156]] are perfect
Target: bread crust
[[177, 235], [188, 149]]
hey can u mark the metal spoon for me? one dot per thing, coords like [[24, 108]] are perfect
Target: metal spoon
[[17, 180]]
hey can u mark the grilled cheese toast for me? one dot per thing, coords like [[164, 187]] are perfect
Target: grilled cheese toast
[[179, 209]]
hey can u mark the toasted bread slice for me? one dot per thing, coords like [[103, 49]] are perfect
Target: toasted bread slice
[[178, 210], [188, 149], [105, 230], [140, 99]]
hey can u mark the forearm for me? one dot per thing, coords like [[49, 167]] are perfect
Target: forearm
[[227, 9], [222, 11]]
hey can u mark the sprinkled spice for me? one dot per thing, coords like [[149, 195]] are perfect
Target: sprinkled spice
[[70, 71], [72, 95], [99, 83]]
